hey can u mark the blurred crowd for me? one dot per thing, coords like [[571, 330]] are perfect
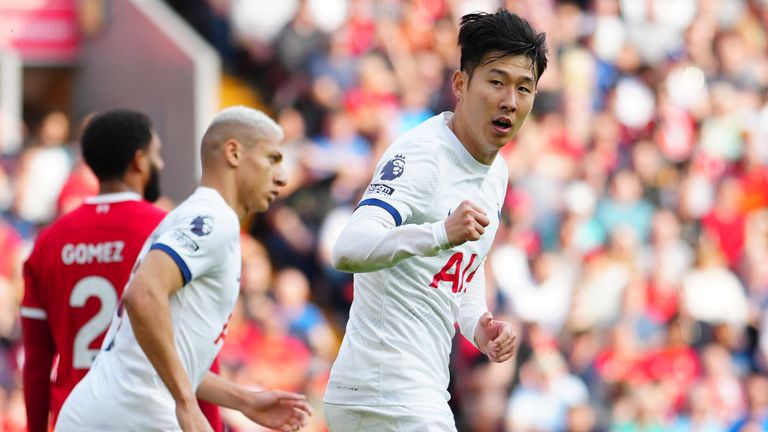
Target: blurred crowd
[[633, 254]]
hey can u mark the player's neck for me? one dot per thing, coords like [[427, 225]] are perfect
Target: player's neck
[[225, 186], [461, 129], [117, 186]]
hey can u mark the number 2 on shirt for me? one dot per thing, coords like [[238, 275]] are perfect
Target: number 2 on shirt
[[102, 289]]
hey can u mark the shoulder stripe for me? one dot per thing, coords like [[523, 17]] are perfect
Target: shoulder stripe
[[386, 206], [185, 273], [33, 313]]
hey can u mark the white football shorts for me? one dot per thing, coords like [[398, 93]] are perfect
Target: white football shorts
[[396, 418]]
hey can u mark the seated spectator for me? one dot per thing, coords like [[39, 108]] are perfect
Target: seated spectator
[[711, 293], [80, 184], [581, 418], [696, 415], [622, 359], [544, 298], [546, 392], [305, 320], [640, 408], [757, 405], [725, 224], [723, 388], [44, 168], [675, 364], [275, 358], [13, 251], [626, 206]]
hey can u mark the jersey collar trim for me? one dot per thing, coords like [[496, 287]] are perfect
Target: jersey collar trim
[[113, 198]]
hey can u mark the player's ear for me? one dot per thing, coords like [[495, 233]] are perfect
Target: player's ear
[[458, 83], [141, 162], [233, 152]]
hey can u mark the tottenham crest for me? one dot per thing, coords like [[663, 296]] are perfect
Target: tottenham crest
[[393, 169], [202, 225]]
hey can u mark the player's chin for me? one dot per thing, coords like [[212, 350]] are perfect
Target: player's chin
[[261, 206], [257, 206], [500, 139]]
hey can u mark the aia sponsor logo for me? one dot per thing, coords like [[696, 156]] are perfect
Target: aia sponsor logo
[[454, 273]]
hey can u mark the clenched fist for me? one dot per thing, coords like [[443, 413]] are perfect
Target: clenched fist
[[496, 339], [466, 223]]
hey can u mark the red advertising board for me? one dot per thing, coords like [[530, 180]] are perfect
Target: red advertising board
[[41, 31]]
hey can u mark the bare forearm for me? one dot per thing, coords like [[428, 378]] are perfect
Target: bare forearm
[[151, 322], [219, 391]]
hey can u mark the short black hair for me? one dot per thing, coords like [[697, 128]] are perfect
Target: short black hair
[[111, 139], [502, 32]]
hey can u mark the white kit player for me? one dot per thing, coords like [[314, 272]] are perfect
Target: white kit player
[[418, 239], [175, 309]]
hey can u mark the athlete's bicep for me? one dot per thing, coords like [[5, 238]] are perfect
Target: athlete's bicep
[[196, 242], [160, 272], [404, 184]]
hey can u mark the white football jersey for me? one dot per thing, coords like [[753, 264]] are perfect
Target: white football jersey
[[398, 339], [122, 391]]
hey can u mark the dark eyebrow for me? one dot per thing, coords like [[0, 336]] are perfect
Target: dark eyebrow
[[526, 78], [499, 71]]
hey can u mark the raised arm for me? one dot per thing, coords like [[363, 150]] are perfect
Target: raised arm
[[371, 240]]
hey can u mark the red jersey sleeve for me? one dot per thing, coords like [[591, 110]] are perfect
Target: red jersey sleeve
[[39, 352]]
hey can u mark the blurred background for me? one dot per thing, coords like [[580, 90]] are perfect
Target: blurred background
[[632, 258]]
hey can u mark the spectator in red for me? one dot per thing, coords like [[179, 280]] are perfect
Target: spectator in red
[[82, 183], [275, 359], [675, 365], [725, 223], [12, 246], [621, 361]]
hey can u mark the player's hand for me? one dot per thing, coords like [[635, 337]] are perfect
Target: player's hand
[[277, 409], [191, 418], [496, 339], [466, 223]]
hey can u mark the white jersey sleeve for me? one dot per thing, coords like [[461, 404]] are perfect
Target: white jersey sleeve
[[192, 242], [473, 304], [405, 182], [370, 241]]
